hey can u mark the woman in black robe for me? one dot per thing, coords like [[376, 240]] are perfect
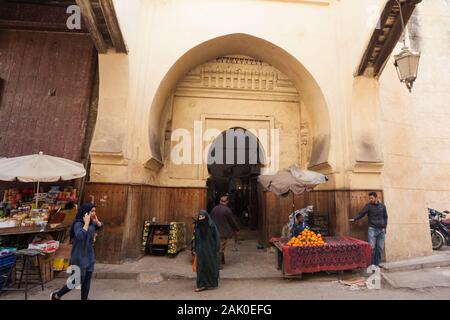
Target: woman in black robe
[[206, 248]]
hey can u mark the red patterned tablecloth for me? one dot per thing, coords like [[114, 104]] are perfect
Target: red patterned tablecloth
[[339, 253]]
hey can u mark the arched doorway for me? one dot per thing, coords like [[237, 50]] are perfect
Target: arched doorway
[[311, 93], [234, 164]]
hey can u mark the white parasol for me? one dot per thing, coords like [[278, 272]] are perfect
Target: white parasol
[[40, 168], [293, 180]]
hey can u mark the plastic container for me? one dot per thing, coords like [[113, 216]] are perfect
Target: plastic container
[[7, 260], [60, 264]]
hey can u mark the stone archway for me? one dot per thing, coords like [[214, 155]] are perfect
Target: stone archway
[[234, 164], [248, 45]]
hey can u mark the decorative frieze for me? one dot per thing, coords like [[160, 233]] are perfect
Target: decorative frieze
[[238, 73]]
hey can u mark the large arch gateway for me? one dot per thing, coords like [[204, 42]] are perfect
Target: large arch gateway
[[260, 50]]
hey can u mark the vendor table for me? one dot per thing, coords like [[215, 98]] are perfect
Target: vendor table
[[59, 231], [338, 254]]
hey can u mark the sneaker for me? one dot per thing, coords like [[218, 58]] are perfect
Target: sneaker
[[200, 289], [53, 296]]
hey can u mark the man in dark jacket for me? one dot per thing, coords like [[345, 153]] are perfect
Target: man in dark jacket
[[378, 219], [225, 222]]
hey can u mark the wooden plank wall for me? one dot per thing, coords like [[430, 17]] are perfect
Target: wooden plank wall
[[35, 16], [124, 208], [275, 210], [340, 205], [111, 204], [124, 222], [48, 80], [358, 199]]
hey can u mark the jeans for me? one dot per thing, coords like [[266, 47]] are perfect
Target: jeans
[[376, 240], [85, 286]]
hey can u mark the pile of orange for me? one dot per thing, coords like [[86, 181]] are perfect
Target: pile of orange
[[307, 238]]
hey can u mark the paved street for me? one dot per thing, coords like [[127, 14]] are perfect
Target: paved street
[[315, 288], [249, 274]]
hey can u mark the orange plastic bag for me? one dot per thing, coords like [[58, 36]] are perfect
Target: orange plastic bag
[[194, 266]]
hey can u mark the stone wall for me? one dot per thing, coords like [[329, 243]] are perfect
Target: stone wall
[[416, 135]]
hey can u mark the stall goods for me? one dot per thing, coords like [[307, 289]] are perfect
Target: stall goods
[[56, 196], [307, 238], [61, 260], [18, 212], [177, 237], [7, 251], [25, 217], [60, 264], [145, 235], [339, 253], [45, 246]]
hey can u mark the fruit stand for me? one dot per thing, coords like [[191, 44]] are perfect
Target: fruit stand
[[310, 252]]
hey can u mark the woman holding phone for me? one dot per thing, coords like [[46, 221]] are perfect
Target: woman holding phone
[[82, 235]]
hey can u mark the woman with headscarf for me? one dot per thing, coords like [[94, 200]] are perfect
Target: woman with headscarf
[[82, 235], [206, 249]]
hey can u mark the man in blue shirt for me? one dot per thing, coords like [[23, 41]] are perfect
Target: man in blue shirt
[[378, 219]]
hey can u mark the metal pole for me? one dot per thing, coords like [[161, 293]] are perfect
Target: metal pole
[[403, 22], [293, 201], [37, 195]]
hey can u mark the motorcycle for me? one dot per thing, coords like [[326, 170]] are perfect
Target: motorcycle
[[439, 227]]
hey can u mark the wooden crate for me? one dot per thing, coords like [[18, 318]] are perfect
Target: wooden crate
[[321, 221], [46, 269]]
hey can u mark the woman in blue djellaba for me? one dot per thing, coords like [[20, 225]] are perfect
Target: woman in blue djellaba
[[206, 248], [82, 236]]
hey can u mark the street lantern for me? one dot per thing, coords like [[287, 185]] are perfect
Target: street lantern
[[406, 62], [407, 65]]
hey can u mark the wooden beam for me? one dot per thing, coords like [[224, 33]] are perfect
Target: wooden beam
[[112, 23], [393, 38], [388, 45], [374, 39], [92, 26], [37, 26]]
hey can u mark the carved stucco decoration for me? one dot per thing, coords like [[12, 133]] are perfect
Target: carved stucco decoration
[[238, 73], [306, 144]]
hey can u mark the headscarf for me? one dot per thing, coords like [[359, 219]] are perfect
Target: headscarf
[[292, 218], [85, 208], [203, 225]]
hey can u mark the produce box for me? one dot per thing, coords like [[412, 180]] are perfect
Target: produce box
[[160, 239], [7, 260], [45, 246], [60, 264], [46, 268], [320, 221], [7, 251], [177, 237], [63, 251]]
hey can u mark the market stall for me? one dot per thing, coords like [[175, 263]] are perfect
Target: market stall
[[163, 238], [20, 216], [311, 250], [330, 254], [38, 218]]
